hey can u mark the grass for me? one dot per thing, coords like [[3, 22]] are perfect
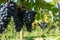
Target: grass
[[38, 34], [31, 36], [11, 34]]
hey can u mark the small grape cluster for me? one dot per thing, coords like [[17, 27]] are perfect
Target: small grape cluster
[[43, 25], [6, 11], [18, 20], [28, 18]]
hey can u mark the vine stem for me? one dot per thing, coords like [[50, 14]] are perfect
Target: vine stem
[[8, 0]]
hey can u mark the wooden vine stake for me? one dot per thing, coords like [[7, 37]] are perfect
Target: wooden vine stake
[[58, 3], [21, 34]]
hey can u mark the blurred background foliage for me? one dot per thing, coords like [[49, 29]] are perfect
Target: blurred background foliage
[[45, 12]]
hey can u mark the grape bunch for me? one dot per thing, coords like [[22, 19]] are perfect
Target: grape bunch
[[18, 21], [7, 10], [4, 16], [28, 18], [17, 16], [43, 25]]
